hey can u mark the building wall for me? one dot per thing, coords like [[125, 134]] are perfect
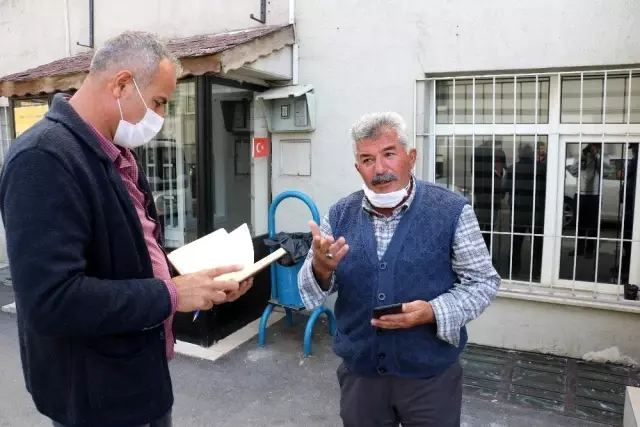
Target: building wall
[[25, 49], [578, 332], [364, 56]]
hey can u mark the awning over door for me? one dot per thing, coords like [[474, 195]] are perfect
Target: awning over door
[[203, 54]]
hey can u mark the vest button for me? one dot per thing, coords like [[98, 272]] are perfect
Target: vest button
[[381, 356], [381, 296], [383, 266], [382, 370]]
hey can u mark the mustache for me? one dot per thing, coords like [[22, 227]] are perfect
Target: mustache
[[383, 178]]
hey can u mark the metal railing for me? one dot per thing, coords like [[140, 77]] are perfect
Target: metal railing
[[547, 112]]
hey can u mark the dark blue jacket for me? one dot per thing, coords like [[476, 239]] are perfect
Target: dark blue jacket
[[416, 266], [90, 312]]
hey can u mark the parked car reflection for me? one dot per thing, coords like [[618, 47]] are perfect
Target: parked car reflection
[[611, 182]]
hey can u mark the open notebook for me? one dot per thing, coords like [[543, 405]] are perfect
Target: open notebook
[[221, 248]]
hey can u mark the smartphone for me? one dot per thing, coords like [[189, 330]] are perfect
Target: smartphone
[[387, 309]]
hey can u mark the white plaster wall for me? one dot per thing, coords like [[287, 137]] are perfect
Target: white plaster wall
[[364, 55], [23, 23], [556, 329], [20, 48]]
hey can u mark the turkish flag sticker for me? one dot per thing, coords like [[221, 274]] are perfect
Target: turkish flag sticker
[[260, 147]]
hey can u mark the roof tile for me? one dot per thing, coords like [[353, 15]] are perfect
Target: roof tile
[[188, 47]]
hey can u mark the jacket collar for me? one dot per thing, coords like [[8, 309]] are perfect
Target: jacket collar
[[62, 112]]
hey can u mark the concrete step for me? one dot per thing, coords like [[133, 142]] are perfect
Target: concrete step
[[632, 407]]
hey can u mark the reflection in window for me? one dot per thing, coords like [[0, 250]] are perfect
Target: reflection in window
[[525, 101], [505, 180], [593, 87], [599, 199], [232, 132], [169, 162]]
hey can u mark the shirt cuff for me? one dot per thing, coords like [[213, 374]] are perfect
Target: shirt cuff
[[310, 291], [445, 315], [173, 293]]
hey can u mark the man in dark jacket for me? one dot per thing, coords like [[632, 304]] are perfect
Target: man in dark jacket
[[526, 186], [490, 163], [627, 205], [94, 291]]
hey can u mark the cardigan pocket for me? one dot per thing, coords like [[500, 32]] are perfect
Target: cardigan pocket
[[119, 383]]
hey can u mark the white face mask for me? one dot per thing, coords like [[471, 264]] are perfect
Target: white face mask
[[131, 135], [386, 200]]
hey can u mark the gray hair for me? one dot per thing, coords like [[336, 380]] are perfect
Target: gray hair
[[136, 50], [526, 151], [372, 126]]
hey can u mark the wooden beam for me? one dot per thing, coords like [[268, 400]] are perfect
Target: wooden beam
[[42, 85]]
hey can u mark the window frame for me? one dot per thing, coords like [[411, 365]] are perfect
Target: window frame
[[556, 131]]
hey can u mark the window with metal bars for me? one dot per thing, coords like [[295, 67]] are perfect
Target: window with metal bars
[[548, 161]]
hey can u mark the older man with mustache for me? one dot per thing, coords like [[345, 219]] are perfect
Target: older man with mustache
[[407, 242]]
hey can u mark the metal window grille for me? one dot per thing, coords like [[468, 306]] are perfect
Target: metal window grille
[[508, 142]]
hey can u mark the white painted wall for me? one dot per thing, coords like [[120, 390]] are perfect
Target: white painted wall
[[363, 56], [557, 329], [22, 23]]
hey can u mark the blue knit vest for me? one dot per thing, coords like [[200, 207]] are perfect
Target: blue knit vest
[[416, 266]]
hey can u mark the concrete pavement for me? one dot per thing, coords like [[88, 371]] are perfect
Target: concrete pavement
[[271, 386]]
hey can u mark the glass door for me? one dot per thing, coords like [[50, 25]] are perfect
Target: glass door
[[231, 119], [597, 187], [169, 162]]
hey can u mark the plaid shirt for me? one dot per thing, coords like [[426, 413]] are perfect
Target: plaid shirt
[[128, 169], [478, 281]]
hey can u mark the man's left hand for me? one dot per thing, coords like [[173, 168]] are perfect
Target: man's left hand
[[242, 289], [413, 314]]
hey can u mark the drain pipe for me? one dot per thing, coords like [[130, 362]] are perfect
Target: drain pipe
[[91, 30], [295, 60], [67, 31]]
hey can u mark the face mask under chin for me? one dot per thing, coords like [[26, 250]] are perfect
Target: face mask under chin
[[386, 200]]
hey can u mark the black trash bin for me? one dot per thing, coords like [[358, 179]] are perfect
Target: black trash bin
[[297, 246], [287, 268]]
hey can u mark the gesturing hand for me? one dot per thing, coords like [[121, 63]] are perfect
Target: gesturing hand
[[327, 253], [413, 314], [201, 290]]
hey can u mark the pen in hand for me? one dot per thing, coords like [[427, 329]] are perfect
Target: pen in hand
[[195, 316]]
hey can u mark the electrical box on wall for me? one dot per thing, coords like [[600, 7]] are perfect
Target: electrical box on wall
[[289, 109]]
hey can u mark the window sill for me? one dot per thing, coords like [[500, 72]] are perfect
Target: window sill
[[580, 299]]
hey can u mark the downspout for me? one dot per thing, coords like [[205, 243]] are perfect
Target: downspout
[[91, 27], [295, 55], [67, 31]]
